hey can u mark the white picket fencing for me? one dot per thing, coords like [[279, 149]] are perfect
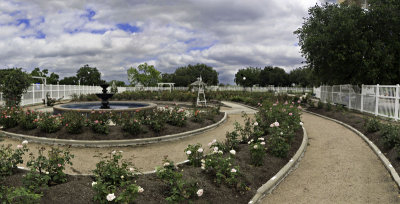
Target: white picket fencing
[[380, 100], [36, 93]]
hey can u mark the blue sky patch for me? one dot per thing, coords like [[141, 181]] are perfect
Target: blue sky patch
[[201, 48], [100, 31], [23, 21], [128, 28], [89, 14]]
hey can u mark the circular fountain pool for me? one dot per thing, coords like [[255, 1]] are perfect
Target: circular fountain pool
[[115, 107]]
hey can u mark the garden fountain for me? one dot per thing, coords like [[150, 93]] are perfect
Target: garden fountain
[[104, 97], [105, 105]]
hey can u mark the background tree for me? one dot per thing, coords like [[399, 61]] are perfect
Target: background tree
[[145, 74], [252, 75], [13, 84], [347, 44], [117, 83], [274, 76], [183, 76], [73, 80], [89, 76], [52, 79], [302, 77]]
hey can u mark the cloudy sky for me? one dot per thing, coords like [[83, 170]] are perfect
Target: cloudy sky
[[114, 35]]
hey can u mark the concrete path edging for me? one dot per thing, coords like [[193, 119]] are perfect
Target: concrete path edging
[[376, 150], [283, 173], [113, 143]]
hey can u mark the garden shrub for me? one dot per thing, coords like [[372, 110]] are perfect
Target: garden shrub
[[328, 106], [390, 135], [13, 84], [99, 120], [179, 190], [194, 154], [9, 117], [278, 146], [18, 195], [372, 125], [198, 116], [131, 125], [257, 151], [157, 120], [232, 140], [113, 175], [320, 105], [10, 158], [177, 117], [49, 123], [46, 171], [74, 122], [28, 120]]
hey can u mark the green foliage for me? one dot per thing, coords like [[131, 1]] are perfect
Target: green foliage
[[232, 140], [10, 116], [320, 105], [390, 135], [347, 44], [251, 74], [89, 76], [328, 106], [46, 171], [224, 171], [157, 120], [98, 121], [184, 76], [112, 174], [13, 84], [11, 195], [274, 76], [73, 122], [278, 146], [372, 125], [179, 190], [257, 151], [49, 123], [52, 79], [28, 119], [144, 74], [73, 80], [10, 158], [131, 124], [198, 116], [177, 117], [194, 154]]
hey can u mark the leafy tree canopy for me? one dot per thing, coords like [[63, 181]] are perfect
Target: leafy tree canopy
[[51, 79], [248, 77], [144, 74], [347, 44], [184, 76], [13, 84], [89, 76], [73, 80]]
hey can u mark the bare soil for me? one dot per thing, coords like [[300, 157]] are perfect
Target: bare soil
[[78, 188], [116, 132]]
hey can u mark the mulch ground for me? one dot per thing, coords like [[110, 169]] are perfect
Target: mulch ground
[[116, 132], [357, 121], [78, 188]]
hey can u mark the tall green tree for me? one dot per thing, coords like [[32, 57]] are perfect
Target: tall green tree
[[183, 76], [347, 44], [13, 84], [53, 78], [248, 77], [302, 77], [89, 76], [73, 80], [144, 74], [274, 76]]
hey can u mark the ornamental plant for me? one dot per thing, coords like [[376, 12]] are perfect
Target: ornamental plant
[[18, 195], [46, 171], [28, 119], [157, 120], [194, 154], [198, 116], [9, 117], [98, 121], [10, 158], [245, 131], [177, 117], [179, 190], [112, 174], [257, 151], [232, 140], [73, 122], [390, 135], [49, 123], [131, 125], [372, 125], [224, 171]]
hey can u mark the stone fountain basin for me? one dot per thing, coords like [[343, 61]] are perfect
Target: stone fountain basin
[[116, 107]]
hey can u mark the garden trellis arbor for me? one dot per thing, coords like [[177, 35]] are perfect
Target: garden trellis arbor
[[200, 91], [44, 81], [171, 86]]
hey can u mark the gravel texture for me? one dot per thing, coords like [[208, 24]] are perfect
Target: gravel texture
[[338, 167]]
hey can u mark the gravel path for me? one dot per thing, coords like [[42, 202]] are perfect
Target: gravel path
[[147, 157], [338, 167]]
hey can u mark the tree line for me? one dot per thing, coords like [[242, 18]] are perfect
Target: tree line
[[348, 44]]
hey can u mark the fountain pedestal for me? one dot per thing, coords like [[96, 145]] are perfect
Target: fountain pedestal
[[104, 97]]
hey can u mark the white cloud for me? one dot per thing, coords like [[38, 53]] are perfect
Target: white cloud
[[227, 34]]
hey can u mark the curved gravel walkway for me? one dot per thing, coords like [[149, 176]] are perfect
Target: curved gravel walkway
[[147, 157], [338, 167]]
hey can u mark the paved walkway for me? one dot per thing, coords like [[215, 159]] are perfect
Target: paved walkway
[[149, 156], [338, 167]]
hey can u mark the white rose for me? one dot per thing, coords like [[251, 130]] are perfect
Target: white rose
[[94, 183], [255, 124], [233, 152], [25, 142], [200, 150], [200, 192], [140, 190], [233, 170], [188, 152], [110, 197]]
